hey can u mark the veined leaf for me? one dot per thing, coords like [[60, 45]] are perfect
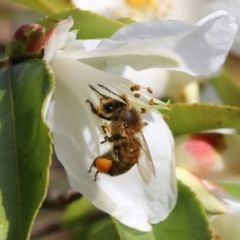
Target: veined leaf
[[190, 118], [127, 233], [46, 6], [126, 20], [89, 25], [77, 212], [101, 229], [233, 189], [228, 88], [187, 221], [79, 219], [25, 146]]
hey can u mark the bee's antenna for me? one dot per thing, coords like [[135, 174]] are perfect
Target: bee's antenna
[[123, 97], [108, 89], [94, 89]]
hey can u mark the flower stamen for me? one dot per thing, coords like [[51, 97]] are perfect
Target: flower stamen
[[137, 95], [143, 4], [166, 117], [151, 102], [135, 88], [149, 90]]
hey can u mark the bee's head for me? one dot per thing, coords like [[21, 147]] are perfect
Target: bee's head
[[111, 106]]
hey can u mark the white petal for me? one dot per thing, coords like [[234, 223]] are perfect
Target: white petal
[[231, 6], [174, 45], [226, 226], [58, 37], [155, 78], [76, 139]]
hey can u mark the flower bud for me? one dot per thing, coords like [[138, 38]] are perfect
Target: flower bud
[[211, 156], [27, 42]]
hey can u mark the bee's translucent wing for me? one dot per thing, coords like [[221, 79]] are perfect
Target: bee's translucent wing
[[145, 163]]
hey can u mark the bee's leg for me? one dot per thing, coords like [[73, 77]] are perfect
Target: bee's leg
[[95, 178], [107, 139], [143, 110], [105, 127], [145, 124], [97, 111], [94, 110], [91, 167], [112, 138]]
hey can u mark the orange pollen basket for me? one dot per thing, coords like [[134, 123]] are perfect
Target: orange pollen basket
[[103, 164]]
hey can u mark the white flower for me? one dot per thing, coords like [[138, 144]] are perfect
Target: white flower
[[142, 10], [225, 226], [212, 156], [184, 10], [223, 209], [167, 83], [76, 64], [231, 6]]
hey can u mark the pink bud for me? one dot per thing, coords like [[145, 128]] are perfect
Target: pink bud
[[27, 42], [211, 156]]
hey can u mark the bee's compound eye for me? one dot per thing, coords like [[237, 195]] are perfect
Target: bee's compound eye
[[103, 164], [108, 108], [112, 106]]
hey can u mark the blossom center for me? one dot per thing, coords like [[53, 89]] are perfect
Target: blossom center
[[149, 9], [143, 4]]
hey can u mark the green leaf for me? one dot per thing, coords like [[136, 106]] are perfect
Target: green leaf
[[228, 88], [25, 146], [104, 229], [126, 20], [46, 6], [187, 221], [209, 202], [232, 189], [190, 118], [101, 229], [90, 25], [86, 222], [127, 233], [77, 212]]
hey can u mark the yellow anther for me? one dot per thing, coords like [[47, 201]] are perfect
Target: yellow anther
[[137, 95], [135, 88], [144, 4], [151, 101], [149, 90]]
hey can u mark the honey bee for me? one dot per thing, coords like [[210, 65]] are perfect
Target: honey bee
[[129, 145]]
